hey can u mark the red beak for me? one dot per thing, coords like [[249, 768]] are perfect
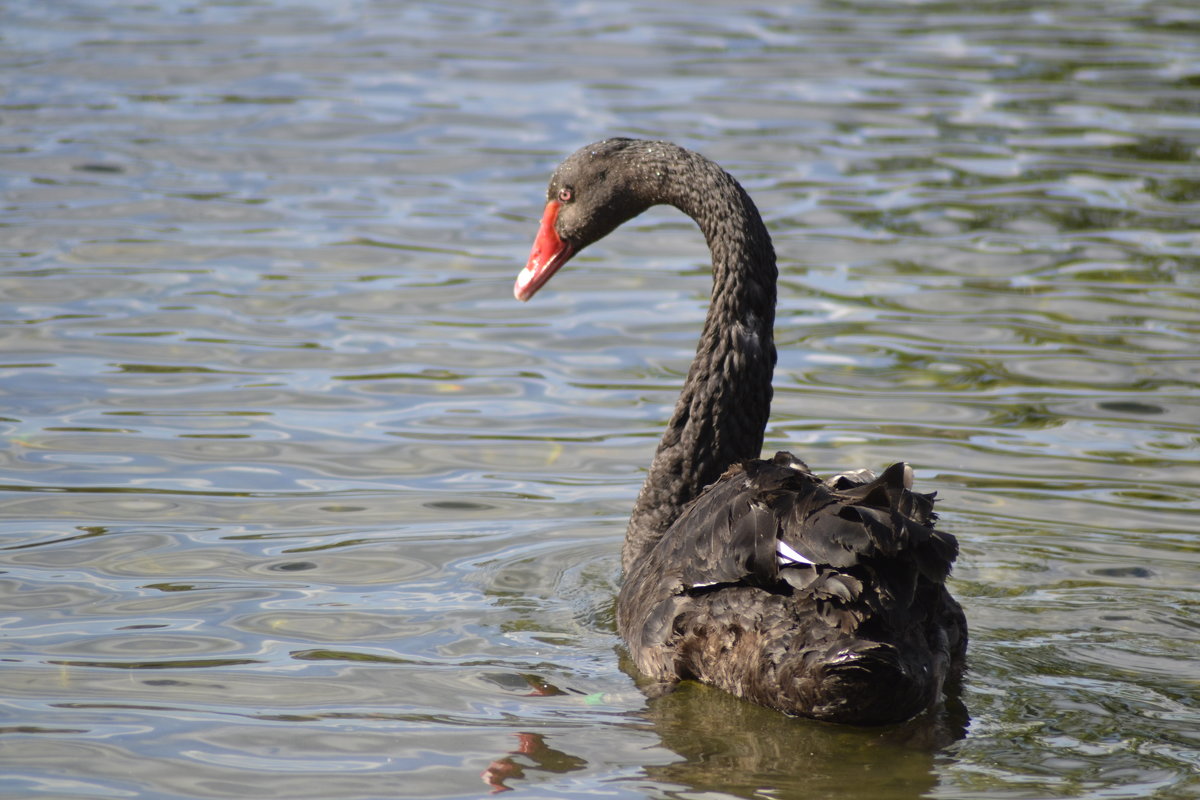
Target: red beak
[[548, 254]]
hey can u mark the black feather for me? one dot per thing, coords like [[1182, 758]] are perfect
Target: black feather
[[876, 588]]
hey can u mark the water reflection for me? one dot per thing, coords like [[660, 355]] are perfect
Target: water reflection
[[729, 745], [531, 753], [720, 744]]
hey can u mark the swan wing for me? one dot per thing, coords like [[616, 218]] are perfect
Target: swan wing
[[771, 520]]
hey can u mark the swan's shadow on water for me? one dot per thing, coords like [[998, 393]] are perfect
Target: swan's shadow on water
[[732, 746]]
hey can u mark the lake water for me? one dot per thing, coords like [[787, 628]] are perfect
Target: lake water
[[296, 501]]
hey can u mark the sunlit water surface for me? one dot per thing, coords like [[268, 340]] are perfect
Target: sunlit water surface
[[298, 502]]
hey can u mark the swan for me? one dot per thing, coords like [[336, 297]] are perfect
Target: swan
[[819, 598]]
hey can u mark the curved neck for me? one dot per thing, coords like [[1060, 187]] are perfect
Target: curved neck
[[722, 412]]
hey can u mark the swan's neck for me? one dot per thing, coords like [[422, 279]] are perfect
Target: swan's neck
[[722, 412]]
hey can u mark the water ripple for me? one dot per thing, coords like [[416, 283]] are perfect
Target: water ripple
[[296, 501]]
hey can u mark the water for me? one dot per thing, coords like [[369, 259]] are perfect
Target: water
[[298, 502]]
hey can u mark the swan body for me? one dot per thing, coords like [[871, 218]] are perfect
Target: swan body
[[824, 599]]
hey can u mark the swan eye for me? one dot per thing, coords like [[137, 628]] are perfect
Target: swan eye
[[565, 195]]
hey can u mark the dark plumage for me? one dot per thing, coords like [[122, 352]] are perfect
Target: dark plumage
[[822, 599]]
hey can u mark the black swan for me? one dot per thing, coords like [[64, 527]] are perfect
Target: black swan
[[823, 599]]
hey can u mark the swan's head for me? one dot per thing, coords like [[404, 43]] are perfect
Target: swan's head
[[597, 189]]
